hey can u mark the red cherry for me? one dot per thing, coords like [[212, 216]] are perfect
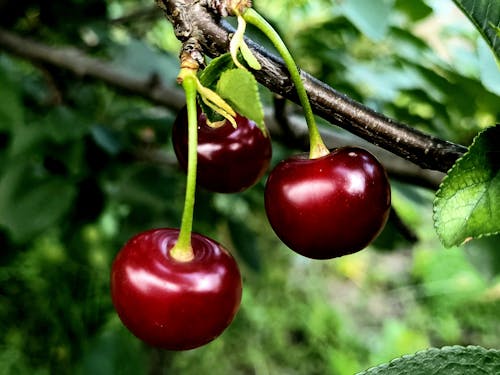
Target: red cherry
[[230, 159], [330, 206], [172, 304]]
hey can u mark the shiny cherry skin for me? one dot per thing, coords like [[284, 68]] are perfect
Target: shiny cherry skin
[[330, 206], [230, 159], [172, 304]]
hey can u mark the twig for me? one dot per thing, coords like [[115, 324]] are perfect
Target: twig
[[152, 89], [193, 19], [83, 65]]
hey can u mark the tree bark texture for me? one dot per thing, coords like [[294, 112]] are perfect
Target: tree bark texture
[[197, 23]]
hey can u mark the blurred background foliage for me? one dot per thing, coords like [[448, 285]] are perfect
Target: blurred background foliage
[[83, 168]]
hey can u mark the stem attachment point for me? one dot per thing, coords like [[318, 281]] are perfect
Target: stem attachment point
[[182, 250], [316, 144]]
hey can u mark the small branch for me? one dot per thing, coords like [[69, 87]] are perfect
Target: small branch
[[83, 66], [195, 19], [398, 168], [152, 89]]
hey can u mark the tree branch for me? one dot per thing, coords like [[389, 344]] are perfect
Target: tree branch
[[152, 89], [398, 168], [82, 66], [193, 19]]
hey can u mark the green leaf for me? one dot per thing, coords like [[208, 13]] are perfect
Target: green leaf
[[467, 204], [370, 17], [237, 86], [453, 360], [209, 78], [485, 15], [241, 90], [211, 74]]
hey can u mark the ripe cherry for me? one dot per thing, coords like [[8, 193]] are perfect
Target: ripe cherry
[[329, 206], [230, 159], [171, 304]]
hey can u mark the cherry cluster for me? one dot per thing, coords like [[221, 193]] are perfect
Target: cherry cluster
[[321, 208], [178, 290]]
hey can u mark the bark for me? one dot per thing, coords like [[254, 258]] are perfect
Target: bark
[[195, 21], [154, 90]]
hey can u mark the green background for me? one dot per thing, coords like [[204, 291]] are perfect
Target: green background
[[83, 167]]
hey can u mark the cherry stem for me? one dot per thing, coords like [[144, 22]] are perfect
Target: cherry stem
[[183, 251], [316, 144]]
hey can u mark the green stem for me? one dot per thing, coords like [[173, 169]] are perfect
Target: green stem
[[317, 146], [183, 251]]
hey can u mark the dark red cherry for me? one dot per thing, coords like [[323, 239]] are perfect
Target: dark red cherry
[[230, 159], [330, 206], [173, 304]]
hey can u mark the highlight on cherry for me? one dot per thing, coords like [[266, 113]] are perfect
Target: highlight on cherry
[[178, 290], [230, 159]]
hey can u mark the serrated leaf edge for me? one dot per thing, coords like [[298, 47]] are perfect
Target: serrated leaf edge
[[479, 27], [443, 182], [261, 123], [425, 351], [223, 60]]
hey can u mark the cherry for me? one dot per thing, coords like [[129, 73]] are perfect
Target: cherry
[[173, 304], [230, 159], [329, 206]]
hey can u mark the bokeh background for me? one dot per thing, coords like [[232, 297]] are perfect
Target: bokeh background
[[84, 166]]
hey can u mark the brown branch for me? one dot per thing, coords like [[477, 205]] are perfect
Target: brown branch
[[193, 19], [82, 66], [398, 168], [152, 89]]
